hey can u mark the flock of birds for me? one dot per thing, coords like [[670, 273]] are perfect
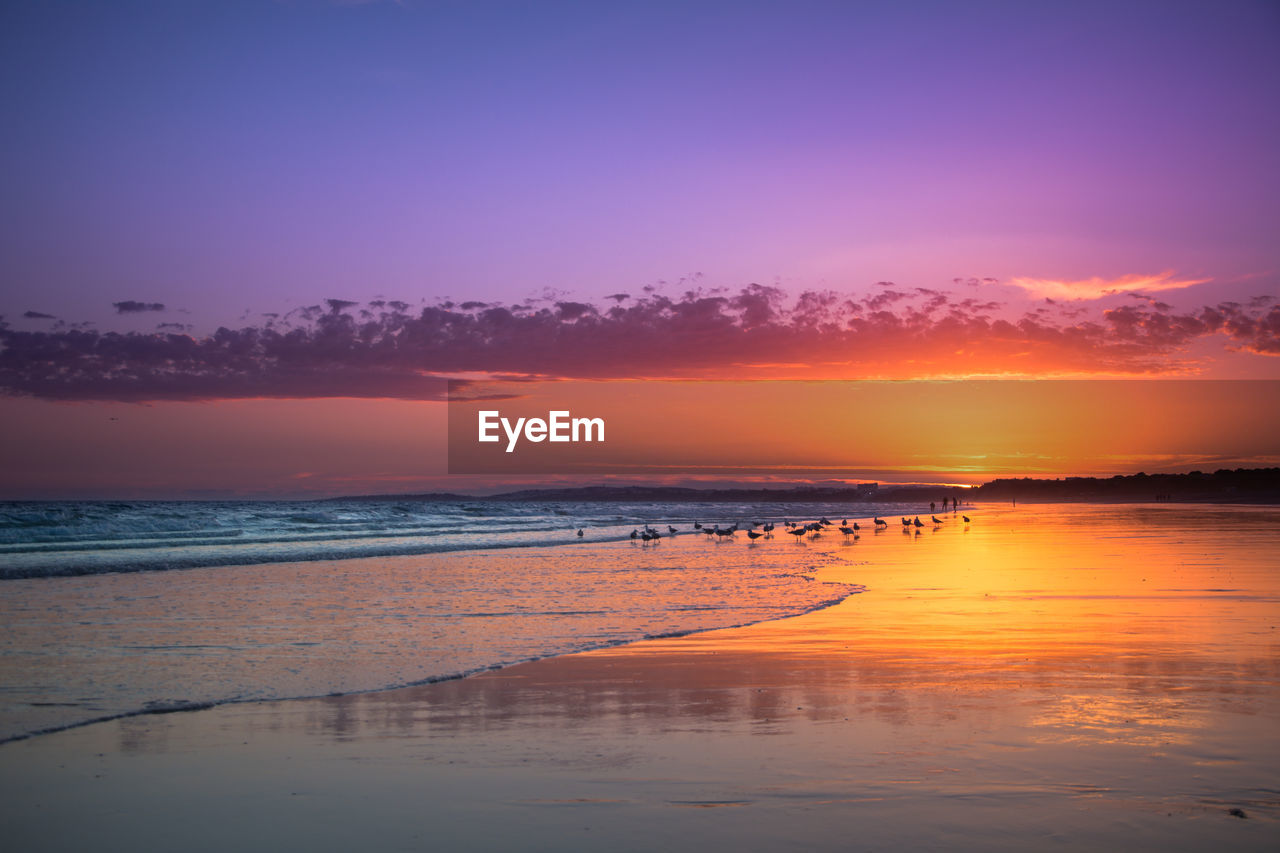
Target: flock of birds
[[812, 529]]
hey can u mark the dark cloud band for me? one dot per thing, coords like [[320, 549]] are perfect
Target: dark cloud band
[[384, 350]]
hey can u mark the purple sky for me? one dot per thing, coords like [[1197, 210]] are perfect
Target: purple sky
[[373, 196], [221, 157]]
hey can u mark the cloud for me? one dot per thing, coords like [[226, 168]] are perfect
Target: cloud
[[387, 350], [36, 315], [1096, 288], [130, 306]]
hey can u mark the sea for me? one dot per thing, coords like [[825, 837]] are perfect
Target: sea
[[113, 608]]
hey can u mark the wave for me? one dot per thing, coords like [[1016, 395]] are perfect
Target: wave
[[161, 706], [60, 539], [331, 550]]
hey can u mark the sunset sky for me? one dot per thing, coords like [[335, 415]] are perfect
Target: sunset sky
[[245, 244]]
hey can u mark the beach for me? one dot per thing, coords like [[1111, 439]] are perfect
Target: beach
[[634, 426], [1062, 677]]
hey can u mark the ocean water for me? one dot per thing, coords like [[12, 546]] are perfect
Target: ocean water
[[42, 539], [115, 608]]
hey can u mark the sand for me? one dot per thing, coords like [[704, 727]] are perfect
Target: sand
[[1078, 678]]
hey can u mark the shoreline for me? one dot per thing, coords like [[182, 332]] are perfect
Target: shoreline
[[991, 690], [432, 680], [316, 581]]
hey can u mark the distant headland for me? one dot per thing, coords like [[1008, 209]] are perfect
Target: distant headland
[[1240, 485]]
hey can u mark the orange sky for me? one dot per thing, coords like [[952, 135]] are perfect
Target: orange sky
[[682, 432]]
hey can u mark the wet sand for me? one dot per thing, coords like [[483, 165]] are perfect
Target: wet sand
[[1051, 677]]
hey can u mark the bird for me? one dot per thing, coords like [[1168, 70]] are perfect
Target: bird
[[697, 525], [880, 521], [672, 530], [966, 518], [751, 534], [917, 522], [635, 534], [906, 522], [797, 532], [846, 530], [723, 533], [855, 526], [579, 532], [936, 520], [646, 537]]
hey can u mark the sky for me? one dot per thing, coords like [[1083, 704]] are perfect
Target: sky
[[240, 214]]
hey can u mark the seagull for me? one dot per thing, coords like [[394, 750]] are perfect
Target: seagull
[[966, 518], [846, 530], [579, 532], [880, 521], [751, 534], [906, 522], [728, 532], [855, 526], [917, 522], [635, 534], [697, 525], [936, 520], [797, 532], [672, 530]]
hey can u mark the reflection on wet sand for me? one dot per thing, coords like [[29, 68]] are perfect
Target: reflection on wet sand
[[1119, 637]]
